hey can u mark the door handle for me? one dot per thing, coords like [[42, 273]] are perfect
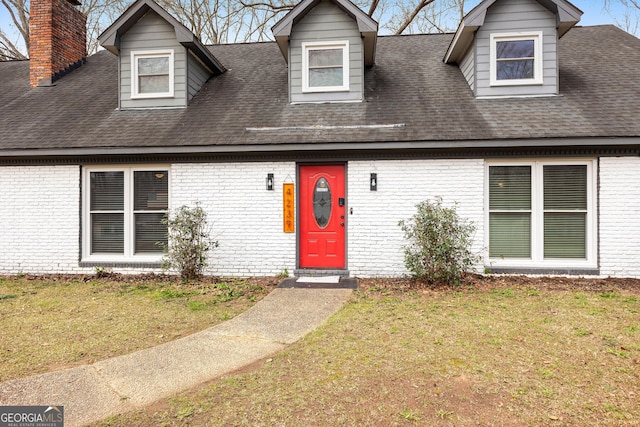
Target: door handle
[[340, 201]]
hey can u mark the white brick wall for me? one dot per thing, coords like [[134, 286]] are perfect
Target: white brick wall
[[39, 219], [39, 213], [246, 218], [375, 240], [620, 216]]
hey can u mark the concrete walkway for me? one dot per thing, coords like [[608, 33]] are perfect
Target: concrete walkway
[[93, 392]]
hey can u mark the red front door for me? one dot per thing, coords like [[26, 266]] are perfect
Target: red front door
[[322, 216]]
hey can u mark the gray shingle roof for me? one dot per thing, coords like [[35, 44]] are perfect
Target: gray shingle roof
[[247, 107]]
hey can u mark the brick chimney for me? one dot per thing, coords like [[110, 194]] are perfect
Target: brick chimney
[[58, 40]]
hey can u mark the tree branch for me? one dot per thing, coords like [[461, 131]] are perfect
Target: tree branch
[[412, 16], [267, 6]]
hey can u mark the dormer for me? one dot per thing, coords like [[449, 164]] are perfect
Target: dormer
[[508, 48], [162, 64], [327, 44]]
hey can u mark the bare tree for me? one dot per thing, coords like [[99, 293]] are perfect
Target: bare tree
[[630, 18], [232, 21], [11, 49], [15, 44], [394, 16], [424, 16], [100, 14], [226, 21]]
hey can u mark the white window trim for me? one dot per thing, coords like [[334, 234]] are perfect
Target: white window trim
[[306, 47], [135, 90], [129, 219], [538, 68], [537, 259]]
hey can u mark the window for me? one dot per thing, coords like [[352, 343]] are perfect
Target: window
[[541, 213], [325, 67], [152, 74], [124, 208], [516, 59]]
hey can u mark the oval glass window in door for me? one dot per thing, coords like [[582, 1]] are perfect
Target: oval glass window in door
[[322, 202]]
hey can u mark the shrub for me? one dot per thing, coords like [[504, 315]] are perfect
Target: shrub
[[439, 243], [188, 242]]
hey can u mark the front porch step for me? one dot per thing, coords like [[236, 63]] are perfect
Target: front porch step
[[309, 272], [343, 283]]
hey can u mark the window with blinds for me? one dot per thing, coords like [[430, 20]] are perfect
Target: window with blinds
[[125, 211], [565, 211], [540, 212], [107, 212], [510, 211], [150, 204]]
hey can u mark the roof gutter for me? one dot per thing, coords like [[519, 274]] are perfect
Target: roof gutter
[[343, 146]]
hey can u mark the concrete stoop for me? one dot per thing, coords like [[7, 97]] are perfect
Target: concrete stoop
[[313, 272], [309, 282]]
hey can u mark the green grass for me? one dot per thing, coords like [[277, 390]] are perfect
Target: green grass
[[510, 356], [55, 323]]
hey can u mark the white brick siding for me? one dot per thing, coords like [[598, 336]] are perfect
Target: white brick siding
[[375, 240], [40, 214], [39, 219], [246, 218], [620, 216]]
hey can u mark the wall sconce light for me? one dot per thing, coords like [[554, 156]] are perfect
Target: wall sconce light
[[373, 182], [269, 182]]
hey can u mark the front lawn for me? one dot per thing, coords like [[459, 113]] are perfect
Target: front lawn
[[505, 352], [55, 322]]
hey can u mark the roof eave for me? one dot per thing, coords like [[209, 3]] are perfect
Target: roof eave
[[567, 16], [596, 142], [366, 25], [110, 38]]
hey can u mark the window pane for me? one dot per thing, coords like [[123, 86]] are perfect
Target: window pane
[[107, 191], [515, 49], [322, 203], [325, 77], [151, 190], [153, 84], [149, 231], [565, 235], [107, 233], [153, 65], [325, 58], [510, 187], [512, 70], [565, 187], [510, 235]]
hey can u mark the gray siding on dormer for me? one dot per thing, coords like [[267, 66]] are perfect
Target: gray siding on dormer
[[467, 68], [510, 17], [326, 22], [152, 32], [197, 74]]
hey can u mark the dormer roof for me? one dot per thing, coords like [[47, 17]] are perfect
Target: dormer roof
[[567, 15], [366, 25], [110, 38]]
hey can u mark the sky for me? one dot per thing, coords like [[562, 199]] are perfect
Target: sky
[[593, 11], [594, 14]]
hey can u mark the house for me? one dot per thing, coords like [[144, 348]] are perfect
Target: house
[[307, 151]]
